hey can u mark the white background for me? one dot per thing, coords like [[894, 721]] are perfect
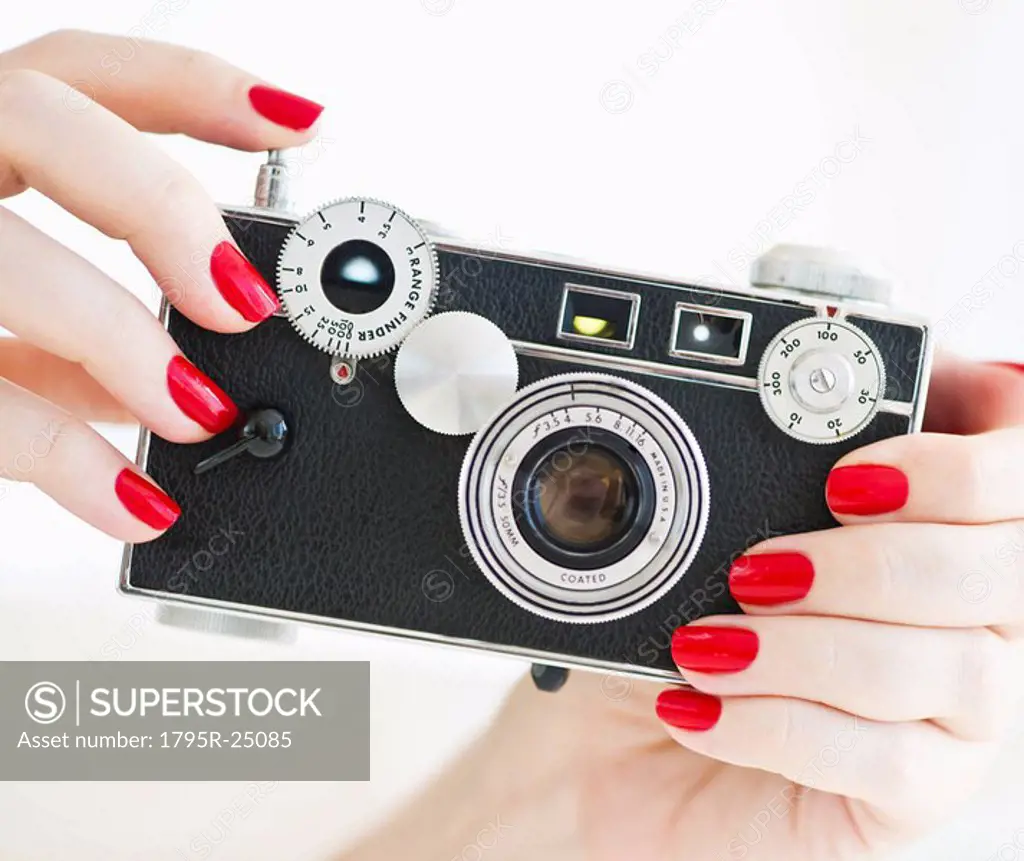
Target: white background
[[551, 125]]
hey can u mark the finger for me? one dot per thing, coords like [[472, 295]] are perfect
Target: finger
[[70, 462], [931, 478], [166, 88], [967, 397], [906, 573], [53, 298], [66, 384], [131, 190], [961, 679], [895, 765]]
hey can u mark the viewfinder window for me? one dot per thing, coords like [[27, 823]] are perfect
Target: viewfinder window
[[596, 315], [710, 334]]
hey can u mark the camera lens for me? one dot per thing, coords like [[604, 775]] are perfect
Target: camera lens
[[357, 276], [584, 502], [586, 498]]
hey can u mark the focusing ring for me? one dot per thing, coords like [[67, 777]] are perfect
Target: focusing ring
[[587, 403]]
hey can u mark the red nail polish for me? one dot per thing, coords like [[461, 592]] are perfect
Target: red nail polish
[[866, 489], [241, 285], [771, 578], [285, 109], [714, 649], [199, 397], [1013, 366], [144, 500], [688, 709]]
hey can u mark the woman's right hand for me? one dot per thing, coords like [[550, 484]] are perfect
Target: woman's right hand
[[858, 702], [72, 106]]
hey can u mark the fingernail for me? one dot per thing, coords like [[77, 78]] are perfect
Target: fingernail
[[284, 108], [710, 649], [199, 397], [866, 489], [771, 578], [1013, 366], [688, 710], [242, 287], [145, 500]]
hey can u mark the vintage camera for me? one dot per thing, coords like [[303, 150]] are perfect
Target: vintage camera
[[509, 452]]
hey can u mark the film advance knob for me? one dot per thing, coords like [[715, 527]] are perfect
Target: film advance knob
[[454, 371], [810, 269]]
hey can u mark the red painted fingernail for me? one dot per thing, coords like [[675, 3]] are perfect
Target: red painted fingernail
[[711, 649], [866, 489], [1013, 366], [199, 397], [145, 500], [771, 578], [284, 108], [241, 285], [688, 709]]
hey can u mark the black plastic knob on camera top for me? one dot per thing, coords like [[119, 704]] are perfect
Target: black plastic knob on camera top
[[825, 271]]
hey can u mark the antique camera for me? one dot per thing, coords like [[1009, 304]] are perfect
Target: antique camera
[[511, 452]]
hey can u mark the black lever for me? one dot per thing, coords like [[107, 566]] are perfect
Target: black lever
[[263, 435]]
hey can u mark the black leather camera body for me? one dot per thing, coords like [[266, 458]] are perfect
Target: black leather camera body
[[513, 453]]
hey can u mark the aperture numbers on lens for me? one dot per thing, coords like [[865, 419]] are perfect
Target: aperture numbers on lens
[[562, 418]]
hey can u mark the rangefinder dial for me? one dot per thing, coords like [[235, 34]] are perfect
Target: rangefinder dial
[[356, 277], [821, 380]]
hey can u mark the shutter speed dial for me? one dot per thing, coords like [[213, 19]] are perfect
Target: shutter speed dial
[[356, 277], [821, 380]]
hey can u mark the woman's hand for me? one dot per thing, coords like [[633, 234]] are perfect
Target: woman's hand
[[859, 701], [72, 105], [879, 665]]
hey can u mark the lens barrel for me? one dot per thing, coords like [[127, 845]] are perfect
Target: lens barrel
[[585, 499]]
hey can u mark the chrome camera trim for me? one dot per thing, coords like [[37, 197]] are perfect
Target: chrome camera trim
[[709, 311], [618, 343]]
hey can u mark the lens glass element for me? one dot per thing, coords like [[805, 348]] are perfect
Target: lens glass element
[[584, 501], [357, 276]]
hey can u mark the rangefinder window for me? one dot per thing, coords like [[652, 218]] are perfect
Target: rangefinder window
[[710, 334], [592, 314]]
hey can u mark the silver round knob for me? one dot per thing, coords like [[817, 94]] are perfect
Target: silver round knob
[[811, 269], [454, 371], [821, 380], [356, 276]]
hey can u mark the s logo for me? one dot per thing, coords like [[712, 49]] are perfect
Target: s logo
[[45, 702]]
